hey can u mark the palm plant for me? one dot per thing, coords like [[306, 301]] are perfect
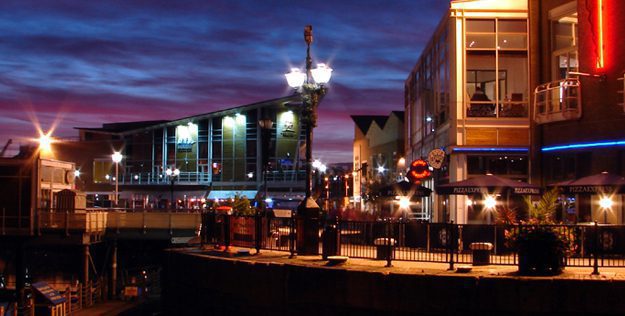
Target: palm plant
[[543, 211]]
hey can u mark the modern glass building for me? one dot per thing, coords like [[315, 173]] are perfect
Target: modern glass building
[[469, 94], [216, 155]]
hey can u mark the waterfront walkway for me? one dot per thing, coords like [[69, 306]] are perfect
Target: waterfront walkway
[[271, 283], [398, 266]]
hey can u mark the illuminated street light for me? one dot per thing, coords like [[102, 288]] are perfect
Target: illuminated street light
[[172, 174], [117, 158], [489, 203], [404, 202], [605, 203], [311, 88], [45, 143]]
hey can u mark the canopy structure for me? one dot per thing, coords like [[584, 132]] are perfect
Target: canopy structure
[[405, 188], [229, 194], [602, 183], [488, 184]]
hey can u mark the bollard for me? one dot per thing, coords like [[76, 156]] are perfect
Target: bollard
[[292, 237], [330, 240], [389, 248], [450, 245], [258, 231], [226, 225], [595, 266]]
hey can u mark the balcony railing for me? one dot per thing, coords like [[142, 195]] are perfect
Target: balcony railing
[[148, 178], [507, 109], [558, 101]]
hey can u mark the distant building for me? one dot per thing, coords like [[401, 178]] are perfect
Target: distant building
[[378, 150], [218, 155]]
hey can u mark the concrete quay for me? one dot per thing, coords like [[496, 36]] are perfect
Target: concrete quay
[[225, 283]]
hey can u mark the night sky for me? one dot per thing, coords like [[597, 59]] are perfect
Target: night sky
[[84, 63]]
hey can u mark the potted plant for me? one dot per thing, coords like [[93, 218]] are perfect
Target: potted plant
[[541, 245]]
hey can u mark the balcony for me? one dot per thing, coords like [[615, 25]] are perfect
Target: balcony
[[505, 109], [558, 101]]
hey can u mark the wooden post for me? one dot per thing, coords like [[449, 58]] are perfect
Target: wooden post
[[113, 287], [68, 298], [85, 264]]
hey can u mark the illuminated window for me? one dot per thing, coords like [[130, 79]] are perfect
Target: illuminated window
[[564, 38], [496, 68]]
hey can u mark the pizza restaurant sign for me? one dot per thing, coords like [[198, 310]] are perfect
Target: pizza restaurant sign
[[589, 189]]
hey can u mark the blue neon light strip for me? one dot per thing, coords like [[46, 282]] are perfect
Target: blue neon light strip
[[490, 149], [585, 145]]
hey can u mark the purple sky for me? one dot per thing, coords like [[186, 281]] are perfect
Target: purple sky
[[84, 63]]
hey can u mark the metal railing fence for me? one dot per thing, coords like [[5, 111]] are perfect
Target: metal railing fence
[[586, 245]]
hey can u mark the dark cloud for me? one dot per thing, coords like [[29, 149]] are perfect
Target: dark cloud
[[90, 62]]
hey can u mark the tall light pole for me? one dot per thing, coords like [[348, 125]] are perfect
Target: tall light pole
[[172, 174], [117, 158], [311, 87]]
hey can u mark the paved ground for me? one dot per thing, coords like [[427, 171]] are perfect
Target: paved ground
[[109, 308], [402, 267]]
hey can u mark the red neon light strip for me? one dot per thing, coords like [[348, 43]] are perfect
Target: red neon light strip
[[600, 48]]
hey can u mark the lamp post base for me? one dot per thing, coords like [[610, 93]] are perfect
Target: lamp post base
[[308, 213]]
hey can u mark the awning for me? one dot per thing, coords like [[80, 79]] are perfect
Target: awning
[[603, 183], [228, 194], [405, 188], [488, 184], [51, 295]]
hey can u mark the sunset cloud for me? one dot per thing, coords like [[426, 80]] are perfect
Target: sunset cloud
[[91, 62]]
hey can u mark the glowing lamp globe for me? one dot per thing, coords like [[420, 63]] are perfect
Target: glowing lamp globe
[[404, 202], [490, 202], [117, 157], [295, 78], [321, 74], [45, 143], [605, 202]]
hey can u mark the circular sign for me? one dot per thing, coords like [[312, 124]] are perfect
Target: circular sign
[[436, 157], [69, 177], [419, 170]]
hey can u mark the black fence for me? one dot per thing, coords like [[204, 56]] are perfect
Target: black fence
[[409, 240]]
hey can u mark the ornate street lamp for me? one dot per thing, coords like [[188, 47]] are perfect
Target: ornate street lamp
[[311, 88], [117, 158], [172, 174]]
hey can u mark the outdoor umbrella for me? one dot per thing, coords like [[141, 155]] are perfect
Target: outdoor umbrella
[[596, 184], [488, 184], [405, 188]]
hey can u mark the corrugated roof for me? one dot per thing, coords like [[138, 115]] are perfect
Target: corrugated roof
[[364, 121], [399, 114], [130, 127]]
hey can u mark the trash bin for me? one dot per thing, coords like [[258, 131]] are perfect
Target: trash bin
[[331, 242], [382, 247], [481, 253]]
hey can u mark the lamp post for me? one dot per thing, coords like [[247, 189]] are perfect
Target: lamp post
[[172, 174], [265, 124], [117, 158], [311, 87]]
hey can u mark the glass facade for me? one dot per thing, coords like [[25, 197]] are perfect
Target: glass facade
[[222, 151], [497, 81], [471, 88]]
